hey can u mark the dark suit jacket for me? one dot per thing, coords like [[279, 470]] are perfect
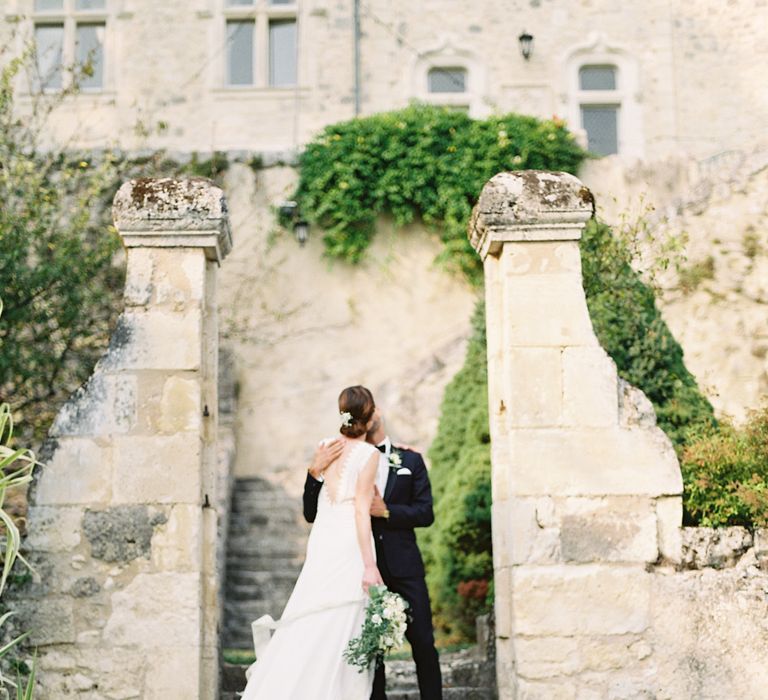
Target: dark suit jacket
[[409, 500]]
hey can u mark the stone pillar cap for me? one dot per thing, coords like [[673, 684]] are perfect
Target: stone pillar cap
[[173, 213], [529, 205]]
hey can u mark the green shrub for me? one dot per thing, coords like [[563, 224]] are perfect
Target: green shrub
[[629, 326], [457, 548], [725, 471]]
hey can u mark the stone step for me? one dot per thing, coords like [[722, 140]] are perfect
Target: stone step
[[248, 577], [448, 694]]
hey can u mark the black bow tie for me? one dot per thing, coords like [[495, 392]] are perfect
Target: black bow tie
[[381, 448]]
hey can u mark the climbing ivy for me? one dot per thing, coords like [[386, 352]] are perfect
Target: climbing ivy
[[421, 162]]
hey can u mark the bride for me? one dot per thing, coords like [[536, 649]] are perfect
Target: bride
[[304, 657]]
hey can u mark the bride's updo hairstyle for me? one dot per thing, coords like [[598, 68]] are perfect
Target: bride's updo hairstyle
[[358, 402]]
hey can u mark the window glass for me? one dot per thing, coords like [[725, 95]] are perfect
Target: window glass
[[601, 122], [89, 52], [49, 43], [282, 2], [597, 77], [47, 5], [282, 53], [447, 80], [239, 3], [240, 52], [90, 4]]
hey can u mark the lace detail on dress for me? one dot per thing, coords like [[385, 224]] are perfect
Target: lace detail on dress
[[343, 493]]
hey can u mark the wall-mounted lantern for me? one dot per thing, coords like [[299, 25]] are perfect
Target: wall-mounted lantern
[[526, 44], [289, 214]]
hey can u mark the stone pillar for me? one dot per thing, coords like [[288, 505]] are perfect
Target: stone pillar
[[121, 523], [586, 489]]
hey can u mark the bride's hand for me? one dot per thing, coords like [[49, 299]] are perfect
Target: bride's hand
[[371, 577]]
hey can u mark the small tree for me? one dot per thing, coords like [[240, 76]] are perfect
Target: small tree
[[58, 280]]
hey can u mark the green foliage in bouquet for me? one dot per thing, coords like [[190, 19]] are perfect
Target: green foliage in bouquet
[[420, 162], [725, 471], [383, 629]]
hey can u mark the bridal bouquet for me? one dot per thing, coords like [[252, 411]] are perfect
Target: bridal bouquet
[[383, 629]]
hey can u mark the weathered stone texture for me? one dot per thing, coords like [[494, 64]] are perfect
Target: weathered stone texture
[[124, 546], [589, 554], [120, 533]]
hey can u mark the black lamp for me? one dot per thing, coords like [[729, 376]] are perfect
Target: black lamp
[[289, 213], [526, 44], [301, 231]]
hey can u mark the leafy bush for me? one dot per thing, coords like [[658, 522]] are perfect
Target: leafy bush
[[423, 161], [457, 548], [725, 471], [629, 326]]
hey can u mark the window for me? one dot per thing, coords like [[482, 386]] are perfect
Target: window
[[447, 80], [599, 107], [70, 33], [262, 43]]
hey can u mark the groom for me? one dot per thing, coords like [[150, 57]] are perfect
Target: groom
[[406, 503]]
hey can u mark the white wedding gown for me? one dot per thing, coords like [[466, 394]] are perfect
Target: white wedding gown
[[304, 658]]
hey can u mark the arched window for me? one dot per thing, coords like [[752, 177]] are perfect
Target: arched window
[[602, 97], [599, 107]]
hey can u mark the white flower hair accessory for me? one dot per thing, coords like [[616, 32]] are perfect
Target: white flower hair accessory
[[346, 418]]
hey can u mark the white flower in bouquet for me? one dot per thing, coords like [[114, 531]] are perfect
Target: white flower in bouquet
[[383, 629]]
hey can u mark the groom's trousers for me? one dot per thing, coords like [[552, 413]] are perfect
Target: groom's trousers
[[419, 634]]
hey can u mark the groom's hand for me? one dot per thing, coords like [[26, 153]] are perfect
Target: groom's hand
[[378, 507], [325, 455]]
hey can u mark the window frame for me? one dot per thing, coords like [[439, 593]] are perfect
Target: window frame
[[596, 97], [261, 13], [70, 17]]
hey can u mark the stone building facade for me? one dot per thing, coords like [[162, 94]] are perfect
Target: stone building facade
[[666, 77]]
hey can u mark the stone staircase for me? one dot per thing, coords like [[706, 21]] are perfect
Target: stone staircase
[[265, 548]]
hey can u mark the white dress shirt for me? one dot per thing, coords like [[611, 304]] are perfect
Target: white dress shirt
[[383, 473]]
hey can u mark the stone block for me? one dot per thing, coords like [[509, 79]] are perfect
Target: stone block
[[535, 388], [586, 462], [180, 408], [541, 257], [580, 600], [590, 393], [53, 528], [618, 529], [176, 545], [49, 621], [669, 521], [79, 472], [105, 404], [547, 657], [160, 469], [519, 534], [157, 610], [156, 339], [138, 276], [120, 533], [533, 690], [173, 673], [546, 311], [503, 604], [716, 548], [613, 653], [179, 277]]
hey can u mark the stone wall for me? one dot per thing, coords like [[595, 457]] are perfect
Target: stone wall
[[123, 516], [591, 601]]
